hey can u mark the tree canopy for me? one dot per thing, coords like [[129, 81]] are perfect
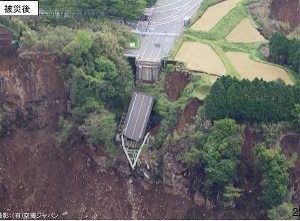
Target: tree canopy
[[285, 51], [218, 155], [254, 101], [273, 166]]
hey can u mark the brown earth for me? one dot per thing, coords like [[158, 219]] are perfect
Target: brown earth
[[286, 11], [175, 84], [187, 115], [155, 130], [6, 39]]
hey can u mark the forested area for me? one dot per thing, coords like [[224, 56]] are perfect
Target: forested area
[[95, 8], [285, 51], [215, 161], [97, 75], [251, 101], [216, 153]]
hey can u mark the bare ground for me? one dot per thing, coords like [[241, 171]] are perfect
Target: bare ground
[[175, 84], [187, 115]]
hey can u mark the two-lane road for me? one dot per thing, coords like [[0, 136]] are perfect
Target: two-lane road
[[166, 25]]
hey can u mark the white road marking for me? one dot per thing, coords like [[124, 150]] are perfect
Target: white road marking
[[131, 111], [164, 22], [137, 118]]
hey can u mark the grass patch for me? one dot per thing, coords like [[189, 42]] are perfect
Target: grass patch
[[177, 46], [216, 38], [133, 39], [202, 92], [202, 84]]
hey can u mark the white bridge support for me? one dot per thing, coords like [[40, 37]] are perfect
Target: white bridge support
[[147, 71], [132, 150]]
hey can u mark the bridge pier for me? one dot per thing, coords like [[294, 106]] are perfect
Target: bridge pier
[[147, 71]]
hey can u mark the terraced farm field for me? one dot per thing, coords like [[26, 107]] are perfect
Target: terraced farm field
[[214, 14], [250, 69], [200, 57], [245, 32]]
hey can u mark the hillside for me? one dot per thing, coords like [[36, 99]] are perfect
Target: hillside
[[224, 129]]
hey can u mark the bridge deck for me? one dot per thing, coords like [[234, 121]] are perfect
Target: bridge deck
[[138, 116]]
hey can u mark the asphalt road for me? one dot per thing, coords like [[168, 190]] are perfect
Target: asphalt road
[[138, 116], [166, 25]]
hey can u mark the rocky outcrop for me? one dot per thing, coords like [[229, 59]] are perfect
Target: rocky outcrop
[[174, 176], [32, 89]]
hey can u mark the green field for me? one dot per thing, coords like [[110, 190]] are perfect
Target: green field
[[216, 38]]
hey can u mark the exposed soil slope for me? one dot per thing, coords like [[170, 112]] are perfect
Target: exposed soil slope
[[6, 39], [187, 115], [286, 11], [175, 84]]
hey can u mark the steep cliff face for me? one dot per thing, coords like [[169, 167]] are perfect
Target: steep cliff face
[[286, 11], [32, 89]]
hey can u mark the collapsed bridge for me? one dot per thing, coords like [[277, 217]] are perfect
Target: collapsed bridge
[[133, 127]]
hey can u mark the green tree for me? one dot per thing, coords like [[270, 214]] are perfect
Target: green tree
[[216, 103], [296, 116], [220, 154], [279, 48], [282, 212], [285, 51], [79, 47], [254, 101], [273, 166], [100, 129]]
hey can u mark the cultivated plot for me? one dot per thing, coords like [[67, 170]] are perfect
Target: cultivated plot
[[214, 14], [200, 57], [245, 32], [250, 69]]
